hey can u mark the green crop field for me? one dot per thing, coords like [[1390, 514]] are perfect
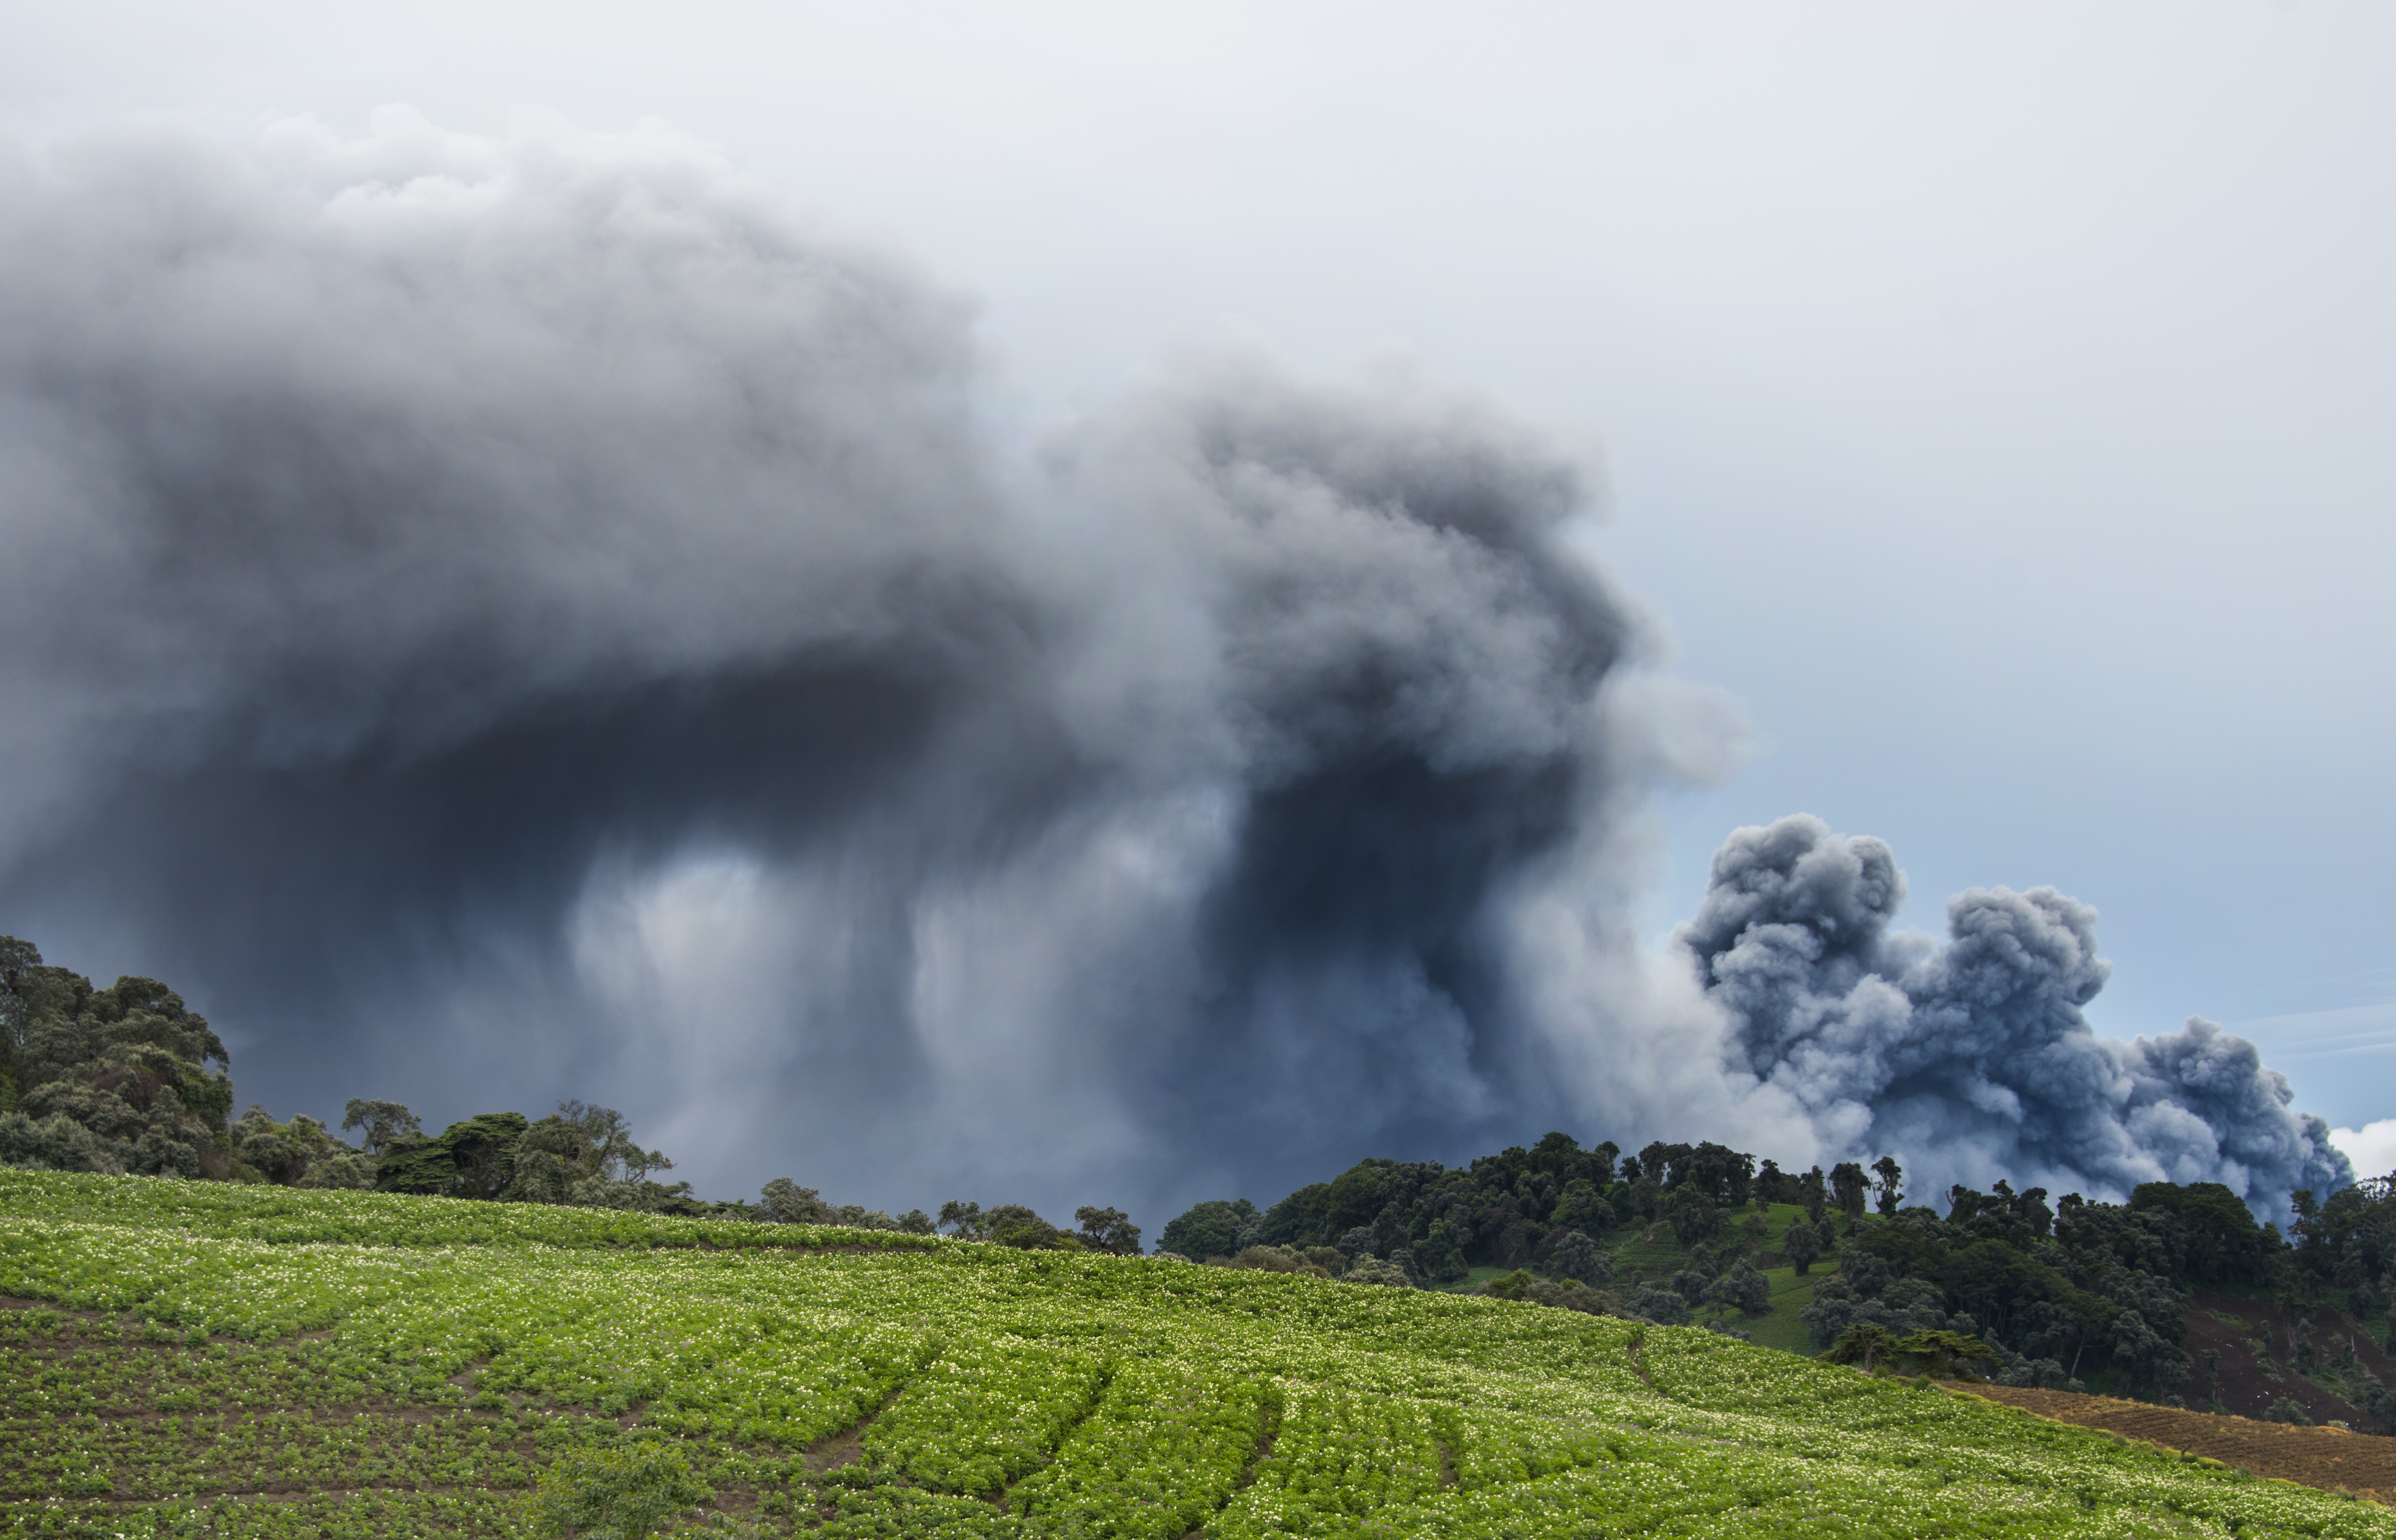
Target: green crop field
[[219, 1359]]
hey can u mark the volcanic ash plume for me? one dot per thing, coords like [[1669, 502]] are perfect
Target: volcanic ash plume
[[498, 621], [542, 617], [1973, 1056]]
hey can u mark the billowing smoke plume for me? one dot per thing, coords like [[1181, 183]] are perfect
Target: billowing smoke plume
[[1973, 1056], [497, 623]]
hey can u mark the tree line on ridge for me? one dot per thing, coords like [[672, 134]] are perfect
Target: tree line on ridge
[[128, 1080]]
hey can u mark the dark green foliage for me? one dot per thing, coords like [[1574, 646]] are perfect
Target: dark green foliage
[[1440, 1252], [631, 1490], [55, 1143], [1866, 1343], [1802, 1243], [1743, 1287], [2289, 1409], [2217, 1240], [1581, 1206], [1016, 1226], [1579, 1256], [2347, 1242], [300, 1153], [2088, 1286], [1948, 1355], [1107, 1229], [785, 1202], [1303, 1216], [142, 1078], [1509, 1210], [1216, 1229], [1658, 1305], [1848, 1187], [1514, 1285], [383, 1122], [1694, 1216], [1356, 1197], [1889, 1183], [473, 1159], [579, 1154]]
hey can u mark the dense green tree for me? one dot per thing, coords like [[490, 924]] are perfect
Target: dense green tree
[[383, 1122], [1016, 1226], [1211, 1229], [1660, 1305], [1107, 1229], [1866, 1343], [1300, 1219], [586, 1156], [302, 1152], [474, 1158], [1742, 1286], [1579, 1256], [143, 1078], [785, 1202], [1888, 1179], [1374, 1269], [1848, 1187], [1693, 1214], [1581, 1206]]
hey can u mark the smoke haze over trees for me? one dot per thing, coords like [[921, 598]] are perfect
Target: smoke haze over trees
[[485, 607]]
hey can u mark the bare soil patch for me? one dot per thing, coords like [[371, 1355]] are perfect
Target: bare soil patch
[[2324, 1457]]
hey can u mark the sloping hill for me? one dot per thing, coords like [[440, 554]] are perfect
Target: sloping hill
[[2327, 1457], [2270, 1351], [211, 1359], [1648, 1253]]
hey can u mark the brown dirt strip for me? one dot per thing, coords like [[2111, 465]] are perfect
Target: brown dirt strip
[[2329, 1458]]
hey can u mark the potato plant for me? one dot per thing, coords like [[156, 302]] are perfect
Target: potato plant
[[211, 1359]]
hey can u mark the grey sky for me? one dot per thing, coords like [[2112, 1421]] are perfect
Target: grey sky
[[1994, 400]]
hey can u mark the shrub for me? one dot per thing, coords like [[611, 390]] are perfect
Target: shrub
[[1579, 1257], [1660, 1305], [55, 1143], [1372, 1269], [627, 1491], [1514, 1285], [2289, 1409], [1033, 1233], [1744, 1287]]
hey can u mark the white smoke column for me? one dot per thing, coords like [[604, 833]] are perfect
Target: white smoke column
[[1970, 1059]]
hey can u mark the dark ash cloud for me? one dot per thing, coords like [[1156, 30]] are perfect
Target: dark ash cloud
[[542, 618], [1972, 1057], [502, 621]]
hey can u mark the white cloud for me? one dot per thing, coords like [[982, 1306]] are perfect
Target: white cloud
[[2371, 1148]]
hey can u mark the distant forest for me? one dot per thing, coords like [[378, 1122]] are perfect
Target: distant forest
[[2029, 1292], [128, 1080], [2024, 1291]]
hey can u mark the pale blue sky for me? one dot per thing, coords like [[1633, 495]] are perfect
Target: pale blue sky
[[1996, 399]]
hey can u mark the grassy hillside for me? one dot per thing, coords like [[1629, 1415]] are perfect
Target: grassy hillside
[[226, 1360], [1647, 1252]]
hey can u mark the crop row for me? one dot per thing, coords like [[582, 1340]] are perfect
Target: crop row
[[1339, 1456], [295, 1215], [1000, 1394], [978, 1419]]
